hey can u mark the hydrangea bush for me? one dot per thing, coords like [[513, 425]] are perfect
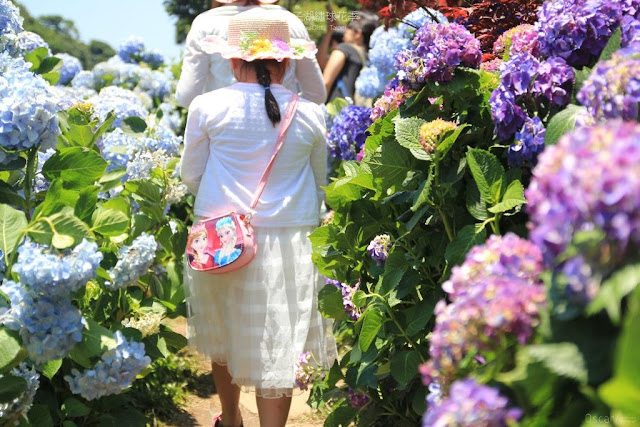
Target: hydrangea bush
[[93, 232], [509, 294]]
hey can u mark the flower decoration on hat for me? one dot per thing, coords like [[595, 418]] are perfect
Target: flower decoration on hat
[[258, 34]]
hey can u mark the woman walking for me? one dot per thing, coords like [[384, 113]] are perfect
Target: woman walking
[[254, 322], [202, 72]]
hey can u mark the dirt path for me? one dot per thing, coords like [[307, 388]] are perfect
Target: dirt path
[[203, 402]]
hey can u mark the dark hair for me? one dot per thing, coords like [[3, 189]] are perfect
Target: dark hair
[[263, 74], [337, 36], [365, 22]]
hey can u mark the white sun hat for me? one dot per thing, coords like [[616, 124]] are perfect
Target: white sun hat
[[259, 34]]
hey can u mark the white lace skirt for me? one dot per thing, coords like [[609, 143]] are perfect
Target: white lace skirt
[[257, 320]]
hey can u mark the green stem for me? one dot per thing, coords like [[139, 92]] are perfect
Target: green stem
[[447, 225], [395, 320], [28, 180], [495, 224]]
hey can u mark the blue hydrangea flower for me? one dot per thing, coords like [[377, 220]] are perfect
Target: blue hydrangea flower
[[28, 110], [28, 42], [116, 370], [576, 30], [71, 66], [470, 404], [370, 82], [49, 327], [3, 266], [419, 18], [385, 45], [162, 138], [528, 143], [117, 148], [55, 275], [154, 58], [122, 102], [21, 404], [133, 261], [84, 79], [10, 26], [40, 182], [171, 116], [630, 31], [156, 84], [348, 132], [131, 49]]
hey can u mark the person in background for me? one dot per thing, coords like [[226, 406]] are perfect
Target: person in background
[[202, 73], [349, 57], [331, 39]]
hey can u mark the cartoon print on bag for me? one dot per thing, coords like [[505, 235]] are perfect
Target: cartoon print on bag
[[197, 248], [228, 253]]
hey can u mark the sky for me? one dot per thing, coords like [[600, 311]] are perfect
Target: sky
[[114, 20]]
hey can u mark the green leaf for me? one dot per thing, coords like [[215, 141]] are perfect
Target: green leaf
[[174, 340], [48, 64], [9, 196], [11, 351], [39, 415], [330, 303], [476, 205], [86, 205], [145, 189], [109, 222], [56, 198], [564, 359], [391, 164], [614, 289], [77, 166], [12, 223], [612, 46], [370, 327], [73, 408], [443, 148], [16, 164], [61, 230], [96, 338], [79, 135], [394, 268], [105, 126], [415, 319], [408, 135], [468, 237], [343, 415], [50, 368], [488, 174], [562, 123], [134, 124], [622, 392], [513, 197], [404, 366], [11, 387]]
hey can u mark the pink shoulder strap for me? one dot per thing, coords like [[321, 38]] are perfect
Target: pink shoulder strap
[[284, 126]]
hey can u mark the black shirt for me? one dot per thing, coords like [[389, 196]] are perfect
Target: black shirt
[[348, 74]]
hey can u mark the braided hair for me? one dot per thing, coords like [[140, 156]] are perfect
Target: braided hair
[[264, 78]]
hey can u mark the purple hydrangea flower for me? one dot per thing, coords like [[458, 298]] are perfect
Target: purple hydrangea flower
[[348, 132], [504, 256], [576, 30], [520, 39], [357, 399], [304, 371], [589, 180], [528, 143], [394, 95], [630, 31], [612, 91], [527, 82], [438, 50], [471, 404], [379, 248], [347, 300]]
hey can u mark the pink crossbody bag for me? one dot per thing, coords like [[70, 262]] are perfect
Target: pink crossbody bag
[[227, 243]]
